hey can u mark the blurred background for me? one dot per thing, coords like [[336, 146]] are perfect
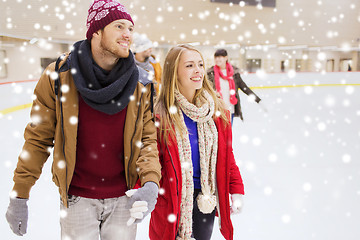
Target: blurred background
[[299, 157], [267, 35]]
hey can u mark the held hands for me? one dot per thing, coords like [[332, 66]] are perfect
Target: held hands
[[142, 201], [17, 215], [237, 203]]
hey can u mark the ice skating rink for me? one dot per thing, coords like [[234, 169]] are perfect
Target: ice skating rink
[[300, 160]]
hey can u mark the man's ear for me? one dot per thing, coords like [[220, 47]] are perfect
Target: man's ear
[[97, 33]]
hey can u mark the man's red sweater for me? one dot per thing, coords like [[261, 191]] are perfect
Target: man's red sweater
[[99, 169]]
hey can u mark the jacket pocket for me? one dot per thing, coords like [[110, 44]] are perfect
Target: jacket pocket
[[72, 200]]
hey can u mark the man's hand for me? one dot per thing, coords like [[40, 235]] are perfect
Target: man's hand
[[17, 215], [142, 201]]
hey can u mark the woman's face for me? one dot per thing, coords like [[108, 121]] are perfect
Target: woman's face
[[190, 73], [221, 61]]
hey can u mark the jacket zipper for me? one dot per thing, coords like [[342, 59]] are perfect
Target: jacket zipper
[[131, 144], [177, 188], [63, 146]]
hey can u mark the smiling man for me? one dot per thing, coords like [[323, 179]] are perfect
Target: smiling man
[[93, 107]]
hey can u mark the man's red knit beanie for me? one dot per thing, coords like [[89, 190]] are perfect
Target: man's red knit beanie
[[103, 12]]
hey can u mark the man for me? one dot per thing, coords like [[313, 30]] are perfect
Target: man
[[95, 111], [142, 48], [226, 80]]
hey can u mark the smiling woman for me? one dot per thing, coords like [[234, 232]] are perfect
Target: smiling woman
[[195, 146], [190, 73]]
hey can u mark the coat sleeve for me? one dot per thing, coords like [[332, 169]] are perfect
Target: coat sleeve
[[211, 77], [148, 161], [39, 136], [242, 85], [236, 182]]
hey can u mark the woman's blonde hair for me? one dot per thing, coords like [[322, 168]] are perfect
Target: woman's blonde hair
[[165, 102]]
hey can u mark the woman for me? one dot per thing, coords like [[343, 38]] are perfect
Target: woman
[[226, 80], [195, 146]]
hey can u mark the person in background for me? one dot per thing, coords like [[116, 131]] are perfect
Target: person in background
[[226, 80], [199, 171], [142, 48], [349, 68], [93, 109]]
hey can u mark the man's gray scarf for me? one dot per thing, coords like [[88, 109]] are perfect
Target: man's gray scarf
[[108, 92]]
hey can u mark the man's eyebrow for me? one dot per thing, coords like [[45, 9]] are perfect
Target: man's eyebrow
[[122, 23]]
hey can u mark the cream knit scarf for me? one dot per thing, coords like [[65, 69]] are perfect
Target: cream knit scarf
[[208, 145]]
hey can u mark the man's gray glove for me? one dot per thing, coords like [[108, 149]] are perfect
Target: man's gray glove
[[142, 201], [17, 215]]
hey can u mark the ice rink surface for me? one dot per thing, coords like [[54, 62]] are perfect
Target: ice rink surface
[[300, 160]]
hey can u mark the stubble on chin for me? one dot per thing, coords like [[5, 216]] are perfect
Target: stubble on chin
[[114, 50], [121, 53]]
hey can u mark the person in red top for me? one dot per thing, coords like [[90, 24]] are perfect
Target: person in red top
[[226, 80], [193, 186]]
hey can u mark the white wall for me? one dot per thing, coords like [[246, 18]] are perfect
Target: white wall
[[23, 59]]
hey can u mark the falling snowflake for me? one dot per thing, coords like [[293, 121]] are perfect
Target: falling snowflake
[[63, 213], [173, 110], [65, 88], [307, 187], [35, 119], [18, 89], [171, 218], [346, 158], [13, 194], [139, 144], [285, 218], [268, 191], [273, 157], [161, 191], [321, 126], [349, 90], [54, 75], [61, 164], [73, 120]]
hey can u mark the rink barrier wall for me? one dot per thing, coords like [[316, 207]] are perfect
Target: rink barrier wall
[[307, 85], [28, 105]]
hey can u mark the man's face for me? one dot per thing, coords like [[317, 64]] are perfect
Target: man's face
[[116, 38], [145, 54]]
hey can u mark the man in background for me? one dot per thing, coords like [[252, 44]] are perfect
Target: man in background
[[142, 48]]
